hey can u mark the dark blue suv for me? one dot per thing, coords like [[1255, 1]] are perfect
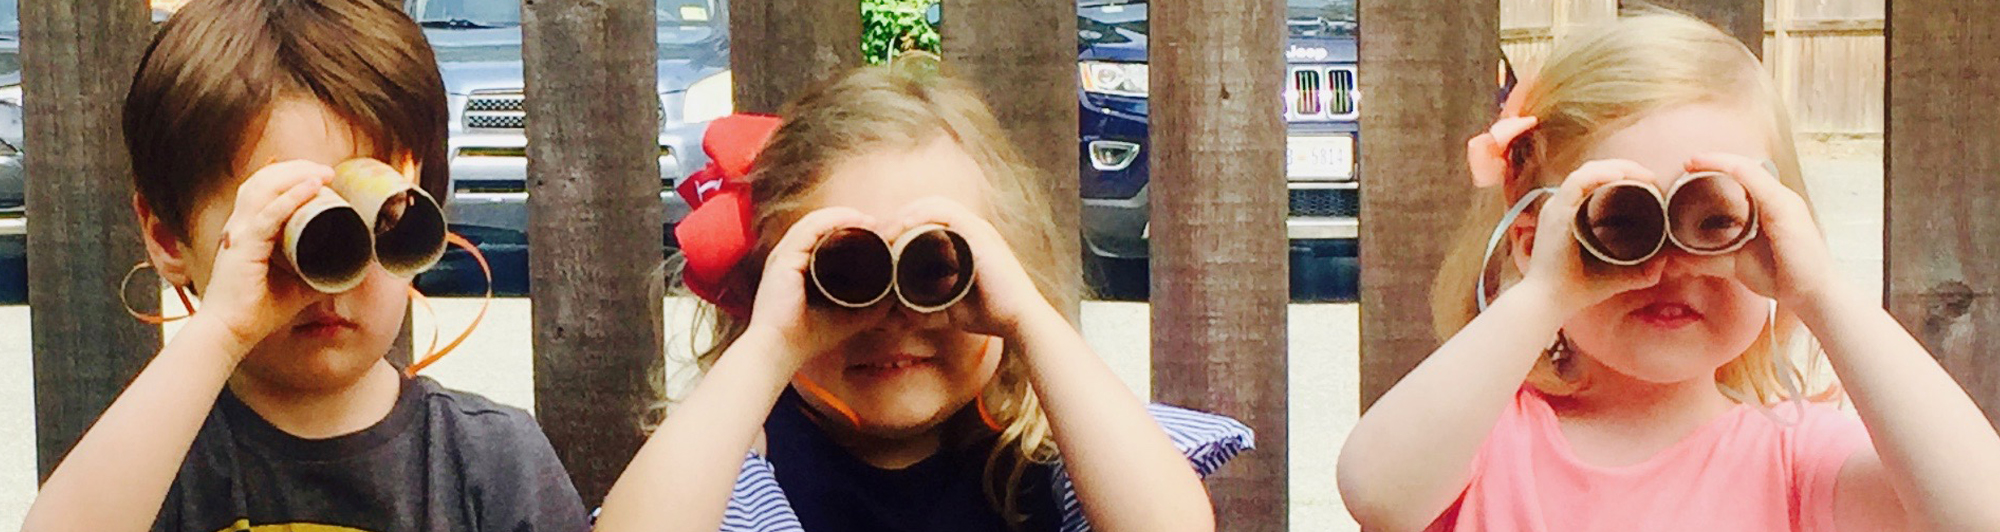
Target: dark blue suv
[[1322, 109]]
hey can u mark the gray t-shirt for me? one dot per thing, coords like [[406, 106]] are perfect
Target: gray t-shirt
[[441, 460]]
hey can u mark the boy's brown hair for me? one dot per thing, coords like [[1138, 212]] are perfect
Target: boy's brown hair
[[207, 83]]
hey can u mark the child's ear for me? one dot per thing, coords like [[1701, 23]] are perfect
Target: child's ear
[[164, 249], [1521, 238]]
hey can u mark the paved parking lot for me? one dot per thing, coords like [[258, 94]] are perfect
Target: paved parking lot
[[1845, 185]]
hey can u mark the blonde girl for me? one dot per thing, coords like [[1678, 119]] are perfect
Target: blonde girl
[[990, 415], [1659, 396]]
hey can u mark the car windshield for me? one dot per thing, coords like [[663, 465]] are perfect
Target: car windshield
[[507, 13], [1103, 21], [1320, 18], [10, 18]]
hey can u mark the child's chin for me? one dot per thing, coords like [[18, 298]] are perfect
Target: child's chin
[[311, 368], [900, 422]]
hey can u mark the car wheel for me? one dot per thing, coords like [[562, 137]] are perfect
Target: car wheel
[[1117, 279]]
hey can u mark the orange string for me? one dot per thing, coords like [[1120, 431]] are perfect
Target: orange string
[[979, 402], [484, 268], [153, 319], [812, 388]]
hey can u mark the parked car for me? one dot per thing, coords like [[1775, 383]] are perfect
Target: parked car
[[1322, 111], [13, 181], [478, 46], [13, 177]]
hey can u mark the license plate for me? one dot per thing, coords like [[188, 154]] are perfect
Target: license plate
[[1319, 158]]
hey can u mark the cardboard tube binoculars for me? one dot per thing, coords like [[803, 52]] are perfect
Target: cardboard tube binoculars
[[929, 268], [372, 213], [1703, 213]]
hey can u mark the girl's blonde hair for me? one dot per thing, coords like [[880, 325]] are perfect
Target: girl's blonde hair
[[902, 106], [1596, 82]]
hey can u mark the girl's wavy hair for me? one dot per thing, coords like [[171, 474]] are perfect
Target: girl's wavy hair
[[902, 106], [1597, 81]]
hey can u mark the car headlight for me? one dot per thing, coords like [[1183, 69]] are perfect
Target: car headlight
[[708, 99], [11, 95], [1121, 79]]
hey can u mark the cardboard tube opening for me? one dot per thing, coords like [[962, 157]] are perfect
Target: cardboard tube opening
[[412, 242], [934, 268], [328, 244], [406, 223]]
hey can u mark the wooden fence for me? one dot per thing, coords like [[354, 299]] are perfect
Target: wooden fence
[[1825, 55], [1431, 95]]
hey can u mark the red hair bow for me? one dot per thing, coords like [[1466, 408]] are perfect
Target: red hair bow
[[717, 234]]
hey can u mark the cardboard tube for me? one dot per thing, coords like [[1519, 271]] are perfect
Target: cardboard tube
[[327, 244], [407, 224], [909, 267]]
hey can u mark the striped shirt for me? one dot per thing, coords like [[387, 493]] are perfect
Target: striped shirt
[[758, 504]]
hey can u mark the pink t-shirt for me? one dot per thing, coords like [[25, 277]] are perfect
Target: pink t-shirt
[[1740, 472]]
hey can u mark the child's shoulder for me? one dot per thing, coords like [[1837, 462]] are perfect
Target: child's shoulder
[[469, 412]]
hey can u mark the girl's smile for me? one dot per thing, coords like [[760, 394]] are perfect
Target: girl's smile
[[889, 367], [1667, 314]]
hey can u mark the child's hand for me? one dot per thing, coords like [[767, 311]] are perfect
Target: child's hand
[[246, 295], [1003, 295], [1557, 263], [781, 308], [1789, 260]]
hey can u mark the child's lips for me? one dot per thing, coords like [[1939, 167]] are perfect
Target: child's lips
[[887, 366], [1667, 314], [324, 325]]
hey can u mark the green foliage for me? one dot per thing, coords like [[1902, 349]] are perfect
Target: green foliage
[[890, 27]]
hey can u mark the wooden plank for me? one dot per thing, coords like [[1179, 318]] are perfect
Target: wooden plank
[[1741, 18], [1942, 245], [1021, 54], [778, 48], [1425, 97], [1218, 204], [78, 57], [594, 219]]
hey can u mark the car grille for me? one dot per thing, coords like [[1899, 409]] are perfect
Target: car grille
[[1326, 202], [495, 110], [1319, 93], [505, 110]]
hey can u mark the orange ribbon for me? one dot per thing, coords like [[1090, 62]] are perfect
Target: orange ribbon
[[1486, 154]]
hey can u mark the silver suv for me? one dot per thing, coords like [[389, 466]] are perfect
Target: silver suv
[[478, 46]]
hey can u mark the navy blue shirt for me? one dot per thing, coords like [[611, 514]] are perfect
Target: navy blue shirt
[[833, 491]]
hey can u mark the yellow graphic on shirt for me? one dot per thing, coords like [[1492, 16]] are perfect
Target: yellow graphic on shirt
[[243, 525]]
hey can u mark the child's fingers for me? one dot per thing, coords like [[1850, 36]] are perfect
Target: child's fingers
[[269, 182], [793, 251], [260, 231], [1561, 209], [943, 211], [1774, 199]]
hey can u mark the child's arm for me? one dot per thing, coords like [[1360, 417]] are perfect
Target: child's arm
[[682, 478], [118, 475], [1931, 444], [1127, 473], [1411, 454]]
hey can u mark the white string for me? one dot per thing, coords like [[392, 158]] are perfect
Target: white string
[[1499, 232]]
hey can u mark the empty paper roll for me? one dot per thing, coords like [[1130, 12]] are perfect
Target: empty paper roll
[[328, 244], [407, 223]]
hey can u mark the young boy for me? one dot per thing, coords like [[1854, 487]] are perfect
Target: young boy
[[235, 116]]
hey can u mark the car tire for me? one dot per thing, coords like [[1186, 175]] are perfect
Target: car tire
[[1117, 279]]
